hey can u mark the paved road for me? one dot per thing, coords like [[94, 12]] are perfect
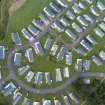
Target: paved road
[[55, 90], [26, 45], [51, 90]]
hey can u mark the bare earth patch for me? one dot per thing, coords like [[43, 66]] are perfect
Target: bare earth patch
[[15, 5]]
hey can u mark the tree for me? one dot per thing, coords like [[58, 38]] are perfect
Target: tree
[[94, 93]]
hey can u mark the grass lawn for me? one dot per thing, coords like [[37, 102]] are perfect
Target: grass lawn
[[26, 14], [22, 18], [3, 69], [44, 64], [5, 100]]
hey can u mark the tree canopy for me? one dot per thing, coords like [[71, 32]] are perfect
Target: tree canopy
[[94, 94]]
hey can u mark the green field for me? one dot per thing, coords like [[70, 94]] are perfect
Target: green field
[[23, 17], [26, 14]]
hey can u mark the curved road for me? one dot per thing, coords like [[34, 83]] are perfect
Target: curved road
[[55, 90]]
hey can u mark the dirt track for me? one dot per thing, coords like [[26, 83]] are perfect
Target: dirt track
[[15, 5], [7, 9]]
